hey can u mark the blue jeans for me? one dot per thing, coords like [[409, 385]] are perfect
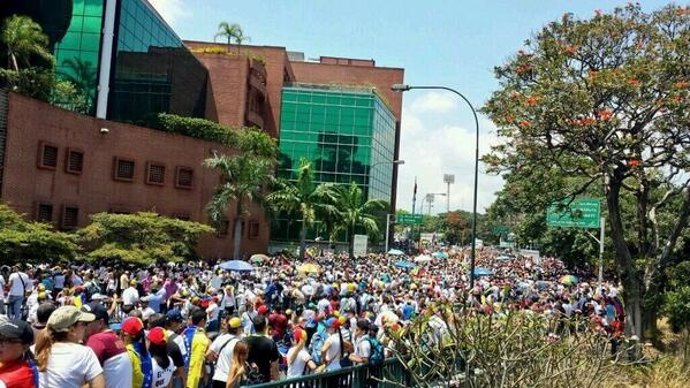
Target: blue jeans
[[14, 306]]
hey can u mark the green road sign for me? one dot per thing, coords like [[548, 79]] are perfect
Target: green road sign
[[409, 219], [500, 230], [580, 213]]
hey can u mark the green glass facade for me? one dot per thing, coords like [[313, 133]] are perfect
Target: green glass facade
[[349, 135], [152, 70], [78, 52]]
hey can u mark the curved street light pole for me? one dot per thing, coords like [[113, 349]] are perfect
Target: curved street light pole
[[404, 88]]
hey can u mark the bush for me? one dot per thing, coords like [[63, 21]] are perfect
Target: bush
[[677, 308], [513, 349]]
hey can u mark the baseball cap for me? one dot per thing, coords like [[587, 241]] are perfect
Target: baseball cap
[[263, 309], [64, 317], [132, 326], [157, 336], [17, 330], [173, 315], [332, 323], [299, 334], [234, 323], [96, 309]]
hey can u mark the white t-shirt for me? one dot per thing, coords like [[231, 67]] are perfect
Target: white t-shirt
[[2, 287], [363, 347], [117, 371], [18, 287], [224, 362], [333, 352], [298, 365], [70, 366], [161, 377], [130, 296]]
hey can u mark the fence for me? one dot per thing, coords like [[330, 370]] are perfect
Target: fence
[[392, 372]]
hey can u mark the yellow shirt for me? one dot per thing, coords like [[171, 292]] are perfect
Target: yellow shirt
[[200, 343], [137, 373]]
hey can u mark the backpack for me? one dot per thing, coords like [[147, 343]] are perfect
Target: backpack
[[252, 376], [317, 341], [377, 354]]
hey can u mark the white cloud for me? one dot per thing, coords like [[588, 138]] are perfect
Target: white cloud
[[432, 144], [435, 101], [171, 10]]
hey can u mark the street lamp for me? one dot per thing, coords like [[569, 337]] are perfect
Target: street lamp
[[404, 88], [430, 199], [388, 216]]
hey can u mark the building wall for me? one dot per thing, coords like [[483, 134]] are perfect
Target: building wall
[[26, 185], [278, 71]]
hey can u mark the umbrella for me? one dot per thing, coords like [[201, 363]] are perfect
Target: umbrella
[[440, 255], [308, 268], [423, 259], [480, 271], [395, 252], [568, 280], [258, 258], [236, 265], [404, 264]]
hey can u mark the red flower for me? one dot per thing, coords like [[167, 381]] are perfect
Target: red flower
[[525, 124], [533, 100], [634, 82], [605, 114], [633, 163], [570, 49]]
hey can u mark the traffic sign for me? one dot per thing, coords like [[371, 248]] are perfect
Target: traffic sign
[[499, 230], [409, 219], [580, 213]]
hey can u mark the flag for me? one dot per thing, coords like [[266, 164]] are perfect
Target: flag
[[414, 195]]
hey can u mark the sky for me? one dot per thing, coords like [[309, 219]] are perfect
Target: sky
[[453, 43]]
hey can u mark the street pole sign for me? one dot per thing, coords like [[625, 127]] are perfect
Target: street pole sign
[[500, 230], [409, 219], [580, 213]]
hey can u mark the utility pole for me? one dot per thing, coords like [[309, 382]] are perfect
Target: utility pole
[[448, 179]]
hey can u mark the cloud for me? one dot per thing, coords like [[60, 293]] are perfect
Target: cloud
[[434, 143], [436, 102], [171, 10]]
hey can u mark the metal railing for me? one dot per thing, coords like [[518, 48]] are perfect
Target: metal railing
[[389, 375]]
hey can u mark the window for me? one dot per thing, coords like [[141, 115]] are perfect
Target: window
[[182, 216], [253, 230], [74, 163], [222, 228], [155, 173], [124, 170], [70, 217], [44, 212], [184, 177], [47, 155]]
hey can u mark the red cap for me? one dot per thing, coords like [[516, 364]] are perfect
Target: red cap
[[157, 336], [263, 310], [132, 326], [299, 334]]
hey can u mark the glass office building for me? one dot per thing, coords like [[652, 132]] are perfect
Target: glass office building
[[348, 135], [150, 70]]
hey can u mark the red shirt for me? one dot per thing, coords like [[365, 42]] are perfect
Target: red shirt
[[106, 344], [278, 323], [17, 374]]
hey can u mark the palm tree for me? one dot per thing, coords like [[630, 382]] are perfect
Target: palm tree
[[354, 212], [82, 74], [24, 38], [230, 32], [244, 180], [302, 196]]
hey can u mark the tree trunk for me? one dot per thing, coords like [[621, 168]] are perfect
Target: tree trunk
[[351, 242], [238, 238], [14, 62], [632, 291], [303, 240]]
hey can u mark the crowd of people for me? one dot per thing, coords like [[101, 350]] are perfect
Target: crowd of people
[[196, 325]]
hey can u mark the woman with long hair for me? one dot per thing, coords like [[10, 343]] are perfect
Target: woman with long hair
[[239, 365], [17, 365], [61, 360], [298, 358], [134, 337], [162, 364]]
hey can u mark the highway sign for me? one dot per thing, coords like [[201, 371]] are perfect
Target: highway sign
[[409, 219], [580, 213]]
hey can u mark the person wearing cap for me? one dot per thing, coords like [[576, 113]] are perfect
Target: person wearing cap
[[175, 344], [61, 360], [43, 312], [163, 366], [108, 347], [221, 350], [331, 350], [134, 337], [298, 358], [196, 343], [17, 366]]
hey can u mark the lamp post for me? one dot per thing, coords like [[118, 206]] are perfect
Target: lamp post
[[430, 199], [448, 179], [404, 88], [388, 216]]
